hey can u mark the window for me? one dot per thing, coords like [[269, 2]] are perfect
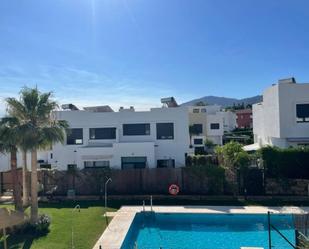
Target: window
[[51, 155], [203, 110], [195, 110], [215, 126], [198, 141], [165, 130], [197, 129], [71, 166], [199, 151], [302, 113], [96, 164], [166, 163], [75, 136], [136, 129], [133, 162], [102, 133]]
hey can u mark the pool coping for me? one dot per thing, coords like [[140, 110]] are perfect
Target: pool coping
[[115, 233]]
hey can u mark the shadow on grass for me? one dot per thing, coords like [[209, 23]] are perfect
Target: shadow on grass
[[19, 242]]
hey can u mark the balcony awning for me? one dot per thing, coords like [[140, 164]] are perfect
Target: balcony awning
[[251, 147]]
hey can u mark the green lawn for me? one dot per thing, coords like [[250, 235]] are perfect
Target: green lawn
[[88, 225]]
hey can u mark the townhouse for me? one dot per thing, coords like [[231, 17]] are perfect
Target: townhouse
[[282, 119], [209, 123]]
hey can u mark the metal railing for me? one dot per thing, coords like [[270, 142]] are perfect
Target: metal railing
[[270, 227]]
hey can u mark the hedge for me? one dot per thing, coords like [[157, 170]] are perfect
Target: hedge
[[286, 163]]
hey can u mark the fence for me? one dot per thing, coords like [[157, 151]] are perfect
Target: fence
[[130, 181]]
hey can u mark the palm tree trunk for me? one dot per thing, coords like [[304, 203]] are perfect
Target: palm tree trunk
[[34, 186], [16, 185], [25, 180]]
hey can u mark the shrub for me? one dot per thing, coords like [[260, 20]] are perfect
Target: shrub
[[39, 228], [286, 163], [199, 160]]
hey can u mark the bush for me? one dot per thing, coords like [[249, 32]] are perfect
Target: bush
[[286, 163], [199, 160], [40, 227]]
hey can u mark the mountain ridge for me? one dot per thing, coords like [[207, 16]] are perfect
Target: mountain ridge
[[225, 101]]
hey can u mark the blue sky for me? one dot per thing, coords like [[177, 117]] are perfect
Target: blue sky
[[132, 52]]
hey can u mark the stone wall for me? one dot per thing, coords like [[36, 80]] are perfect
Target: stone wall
[[287, 187]]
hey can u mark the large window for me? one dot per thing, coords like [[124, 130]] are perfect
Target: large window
[[133, 162], [102, 133], [165, 130], [215, 126], [302, 113], [75, 136], [136, 129], [166, 163], [96, 164], [197, 129]]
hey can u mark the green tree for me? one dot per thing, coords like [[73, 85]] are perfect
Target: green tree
[[9, 141], [234, 159], [39, 128]]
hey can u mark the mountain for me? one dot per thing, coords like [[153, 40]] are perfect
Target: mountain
[[224, 102]]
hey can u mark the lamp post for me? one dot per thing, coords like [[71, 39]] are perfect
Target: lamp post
[[77, 207], [105, 196]]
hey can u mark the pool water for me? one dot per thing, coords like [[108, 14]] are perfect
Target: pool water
[[207, 231]]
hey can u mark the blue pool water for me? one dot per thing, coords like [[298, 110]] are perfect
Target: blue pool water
[[207, 231]]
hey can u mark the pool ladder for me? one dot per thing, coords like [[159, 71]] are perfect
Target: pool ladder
[[151, 208]]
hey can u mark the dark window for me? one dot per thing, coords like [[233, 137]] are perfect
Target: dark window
[[165, 131], [215, 126], [197, 129], [198, 141], [203, 110], [102, 133], [133, 162], [302, 113], [166, 163], [196, 110], [96, 164], [75, 136], [199, 151], [136, 129], [51, 155], [72, 166]]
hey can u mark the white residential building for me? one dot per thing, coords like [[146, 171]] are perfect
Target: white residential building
[[282, 119], [209, 122], [126, 139]]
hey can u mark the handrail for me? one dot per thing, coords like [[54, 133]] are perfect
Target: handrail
[[269, 233], [285, 238]]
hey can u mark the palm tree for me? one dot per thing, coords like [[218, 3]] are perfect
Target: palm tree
[[9, 140], [25, 181], [39, 127]]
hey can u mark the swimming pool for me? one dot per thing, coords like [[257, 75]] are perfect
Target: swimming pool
[[207, 231]]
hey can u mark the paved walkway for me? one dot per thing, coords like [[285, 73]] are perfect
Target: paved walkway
[[115, 233]]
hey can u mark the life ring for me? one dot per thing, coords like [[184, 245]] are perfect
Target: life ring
[[173, 189]]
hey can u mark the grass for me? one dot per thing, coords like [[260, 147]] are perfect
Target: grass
[[88, 225]]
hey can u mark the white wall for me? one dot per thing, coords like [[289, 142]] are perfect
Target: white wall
[[147, 145], [229, 120], [274, 120]]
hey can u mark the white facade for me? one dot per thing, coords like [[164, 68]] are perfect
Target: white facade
[[122, 150], [280, 120], [213, 123]]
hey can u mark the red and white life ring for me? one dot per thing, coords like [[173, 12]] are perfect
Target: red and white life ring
[[173, 189]]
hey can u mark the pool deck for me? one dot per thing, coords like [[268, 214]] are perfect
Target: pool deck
[[114, 234]]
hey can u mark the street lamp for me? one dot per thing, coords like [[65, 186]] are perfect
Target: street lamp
[[77, 207], [105, 196]]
